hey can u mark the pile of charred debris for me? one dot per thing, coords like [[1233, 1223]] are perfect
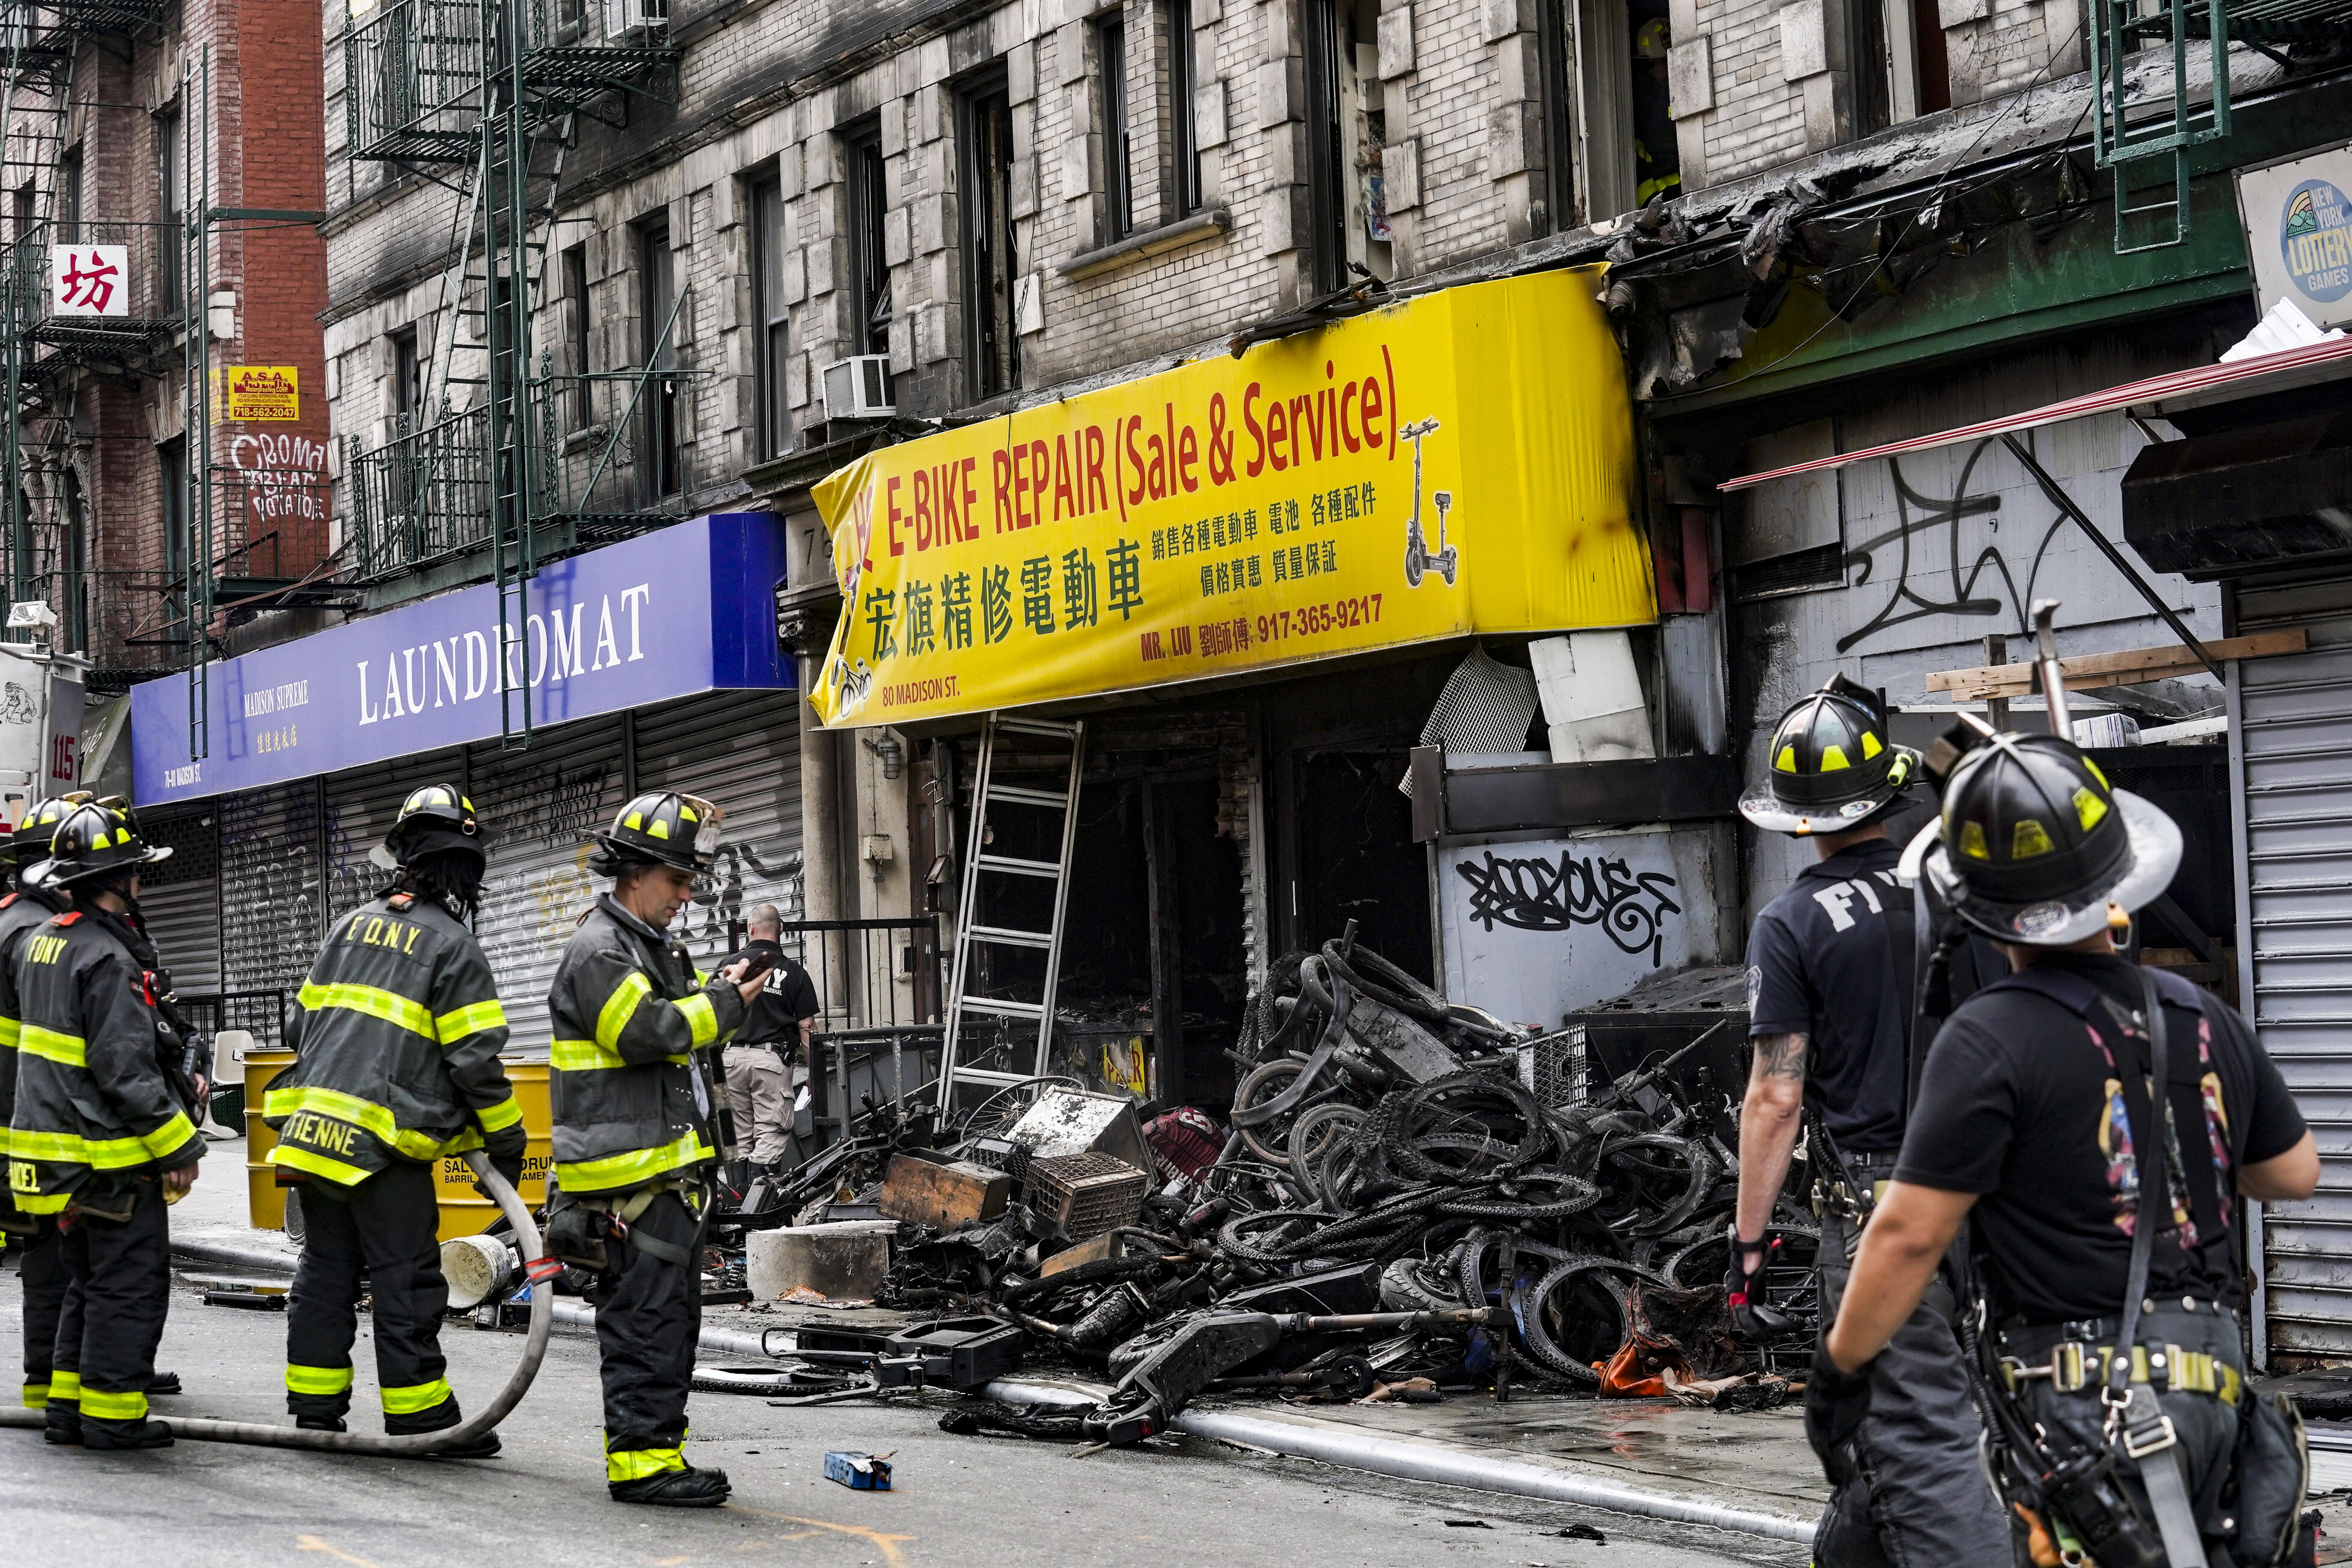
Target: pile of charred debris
[[1412, 1199]]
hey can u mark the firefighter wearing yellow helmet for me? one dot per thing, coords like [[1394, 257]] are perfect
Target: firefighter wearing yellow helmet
[[634, 1025], [397, 1069], [1658, 162], [34, 1236]]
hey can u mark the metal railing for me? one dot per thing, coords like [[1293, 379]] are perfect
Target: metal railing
[[421, 497]]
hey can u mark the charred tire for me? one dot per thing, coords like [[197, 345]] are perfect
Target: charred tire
[[1580, 1313]]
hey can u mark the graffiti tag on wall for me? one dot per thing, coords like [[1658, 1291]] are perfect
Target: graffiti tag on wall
[[1925, 562], [283, 476], [1547, 894]]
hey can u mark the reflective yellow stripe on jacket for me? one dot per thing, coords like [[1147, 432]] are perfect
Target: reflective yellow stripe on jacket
[[631, 1168], [587, 1055], [375, 1119], [103, 1154], [618, 1009], [503, 1115], [376, 1003], [68, 1050], [11, 1033], [451, 1028]]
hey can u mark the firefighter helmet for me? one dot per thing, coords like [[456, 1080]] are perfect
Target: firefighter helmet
[[30, 841], [2033, 845], [434, 818], [1833, 768], [96, 843], [660, 828], [1654, 40]]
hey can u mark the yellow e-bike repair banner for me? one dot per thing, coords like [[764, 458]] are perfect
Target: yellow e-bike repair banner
[[1460, 462]]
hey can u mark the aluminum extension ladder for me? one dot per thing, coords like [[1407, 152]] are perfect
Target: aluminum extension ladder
[[979, 863]]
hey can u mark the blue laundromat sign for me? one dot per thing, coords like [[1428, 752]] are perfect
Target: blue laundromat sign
[[684, 610]]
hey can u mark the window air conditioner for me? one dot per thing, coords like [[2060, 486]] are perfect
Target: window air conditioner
[[624, 17], [859, 388]]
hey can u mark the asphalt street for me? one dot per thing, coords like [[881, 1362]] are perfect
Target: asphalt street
[[957, 1500]]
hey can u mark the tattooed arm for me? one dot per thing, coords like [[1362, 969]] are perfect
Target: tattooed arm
[[1768, 1120]]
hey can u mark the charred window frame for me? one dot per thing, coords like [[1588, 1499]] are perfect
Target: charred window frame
[[1869, 46], [1556, 56], [1183, 95], [1119, 137], [869, 269], [992, 268], [772, 317]]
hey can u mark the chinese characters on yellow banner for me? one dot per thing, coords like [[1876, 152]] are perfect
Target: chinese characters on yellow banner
[[1457, 463]]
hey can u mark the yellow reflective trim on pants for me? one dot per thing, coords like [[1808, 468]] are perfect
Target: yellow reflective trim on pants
[[455, 1027], [320, 1379], [619, 1008], [416, 1398], [73, 1149], [318, 1166], [68, 1050], [504, 1115], [64, 1386], [700, 1017], [636, 1464], [582, 1056], [37, 1396], [374, 1002], [106, 1406], [166, 1140], [628, 1170], [28, 1203]]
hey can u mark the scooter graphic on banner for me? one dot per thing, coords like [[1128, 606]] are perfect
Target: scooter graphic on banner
[[1418, 557]]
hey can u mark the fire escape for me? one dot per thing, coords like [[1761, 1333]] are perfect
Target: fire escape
[[485, 96]]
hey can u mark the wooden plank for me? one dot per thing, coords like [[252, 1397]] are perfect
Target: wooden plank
[[946, 1196], [2132, 667]]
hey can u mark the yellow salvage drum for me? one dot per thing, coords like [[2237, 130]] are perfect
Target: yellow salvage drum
[[464, 1212], [265, 1199]]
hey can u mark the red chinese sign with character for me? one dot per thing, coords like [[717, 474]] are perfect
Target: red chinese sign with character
[[89, 280]]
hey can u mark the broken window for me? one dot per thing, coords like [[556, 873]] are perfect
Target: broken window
[[1346, 129], [991, 344]]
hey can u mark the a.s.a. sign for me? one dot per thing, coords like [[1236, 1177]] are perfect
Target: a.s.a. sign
[[1461, 462]]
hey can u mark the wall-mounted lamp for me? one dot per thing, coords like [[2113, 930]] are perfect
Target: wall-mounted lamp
[[891, 751]]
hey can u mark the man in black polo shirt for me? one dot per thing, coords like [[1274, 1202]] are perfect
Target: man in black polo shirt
[[767, 1062], [2030, 1120], [1830, 1002]]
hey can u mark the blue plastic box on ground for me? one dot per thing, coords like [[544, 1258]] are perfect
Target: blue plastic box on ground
[[860, 1472]]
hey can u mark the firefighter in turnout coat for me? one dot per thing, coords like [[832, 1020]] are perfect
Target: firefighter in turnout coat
[[39, 1244], [635, 1027], [101, 1129], [397, 1069]]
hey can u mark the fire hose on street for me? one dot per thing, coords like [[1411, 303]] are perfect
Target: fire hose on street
[[415, 1445]]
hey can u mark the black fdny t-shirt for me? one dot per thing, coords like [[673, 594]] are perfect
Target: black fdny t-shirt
[[1822, 962], [2024, 1103], [786, 996]]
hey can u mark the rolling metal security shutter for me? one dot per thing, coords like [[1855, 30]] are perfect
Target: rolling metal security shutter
[[2291, 753], [361, 804], [537, 809], [742, 750], [269, 892], [180, 899]]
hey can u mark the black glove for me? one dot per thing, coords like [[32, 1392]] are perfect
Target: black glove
[[1835, 1403], [1744, 1292], [506, 1148]]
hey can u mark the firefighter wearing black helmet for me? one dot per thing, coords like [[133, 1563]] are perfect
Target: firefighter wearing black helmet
[[35, 1238], [1830, 1003], [2102, 1215], [634, 1025], [397, 1069], [101, 1129]]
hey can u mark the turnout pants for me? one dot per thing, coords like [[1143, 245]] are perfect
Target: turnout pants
[[384, 1226], [760, 1094], [117, 1289], [648, 1323], [1917, 1496], [47, 1285]]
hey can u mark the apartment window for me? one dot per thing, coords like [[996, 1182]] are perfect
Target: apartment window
[[77, 565], [172, 479], [575, 336], [1867, 39], [992, 346], [869, 275], [1183, 90], [21, 208], [657, 273], [1119, 170], [69, 197], [768, 317], [1608, 119], [1556, 55], [1346, 129], [170, 181], [1918, 70], [407, 380]]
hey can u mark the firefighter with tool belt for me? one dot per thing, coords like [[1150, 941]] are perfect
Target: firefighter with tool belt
[[397, 1069], [36, 1237], [2105, 1217], [1830, 1003], [101, 1134], [633, 1023]]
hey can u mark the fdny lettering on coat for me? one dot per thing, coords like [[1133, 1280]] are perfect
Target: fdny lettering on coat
[[43, 949], [1838, 898], [379, 931]]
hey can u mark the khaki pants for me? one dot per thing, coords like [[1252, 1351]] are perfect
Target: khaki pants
[[760, 1094]]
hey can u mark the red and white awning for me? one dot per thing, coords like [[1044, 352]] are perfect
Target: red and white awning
[[2157, 389]]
